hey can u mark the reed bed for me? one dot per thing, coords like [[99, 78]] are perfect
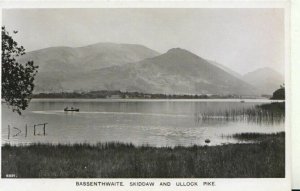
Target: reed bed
[[255, 136], [265, 113]]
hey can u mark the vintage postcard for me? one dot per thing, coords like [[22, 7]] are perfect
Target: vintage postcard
[[168, 96]]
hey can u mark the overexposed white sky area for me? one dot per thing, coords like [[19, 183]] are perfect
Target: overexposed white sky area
[[242, 39]]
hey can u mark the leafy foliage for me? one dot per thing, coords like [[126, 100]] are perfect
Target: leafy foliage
[[279, 94], [17, 78]]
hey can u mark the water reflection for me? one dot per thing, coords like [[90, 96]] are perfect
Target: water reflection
[[163, 123]]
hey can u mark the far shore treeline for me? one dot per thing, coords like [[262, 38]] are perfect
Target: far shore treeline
[[137, 95], [279, 94]]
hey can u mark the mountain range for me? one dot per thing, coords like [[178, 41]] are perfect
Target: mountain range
[[266, 80], [129, 67]]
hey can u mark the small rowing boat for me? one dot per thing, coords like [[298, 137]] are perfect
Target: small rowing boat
[[71, 109]]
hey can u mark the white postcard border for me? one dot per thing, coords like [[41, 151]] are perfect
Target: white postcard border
[[244, 184]]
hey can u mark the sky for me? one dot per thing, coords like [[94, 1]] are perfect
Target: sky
[[240, 39]]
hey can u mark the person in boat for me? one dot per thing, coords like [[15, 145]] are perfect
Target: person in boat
[[66, 108]]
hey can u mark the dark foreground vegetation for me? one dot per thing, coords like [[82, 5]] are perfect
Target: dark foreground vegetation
[[265, 158], [275, 107]]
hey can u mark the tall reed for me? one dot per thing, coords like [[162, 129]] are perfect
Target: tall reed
[[265, 113]]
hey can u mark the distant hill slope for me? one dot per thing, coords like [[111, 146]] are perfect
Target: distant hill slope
[[226, 69], [176, 72], [127, 67], [266, 80], [57, 64]]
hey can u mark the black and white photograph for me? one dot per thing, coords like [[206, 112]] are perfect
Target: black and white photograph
[[143, 93]]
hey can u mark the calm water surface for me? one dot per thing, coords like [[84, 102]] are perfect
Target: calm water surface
[[152, 122]]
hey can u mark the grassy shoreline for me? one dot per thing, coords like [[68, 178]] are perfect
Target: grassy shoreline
[[263, 159]]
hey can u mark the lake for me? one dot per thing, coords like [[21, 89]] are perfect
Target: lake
[[137, 121]]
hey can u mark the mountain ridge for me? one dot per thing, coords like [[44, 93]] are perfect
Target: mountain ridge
[[94, 56], [132, 67], [177, 71]]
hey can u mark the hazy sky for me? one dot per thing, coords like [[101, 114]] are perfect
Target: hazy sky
[[241, 39]]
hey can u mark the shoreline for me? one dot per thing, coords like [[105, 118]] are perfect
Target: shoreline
[[256, 100], [263, 159]]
